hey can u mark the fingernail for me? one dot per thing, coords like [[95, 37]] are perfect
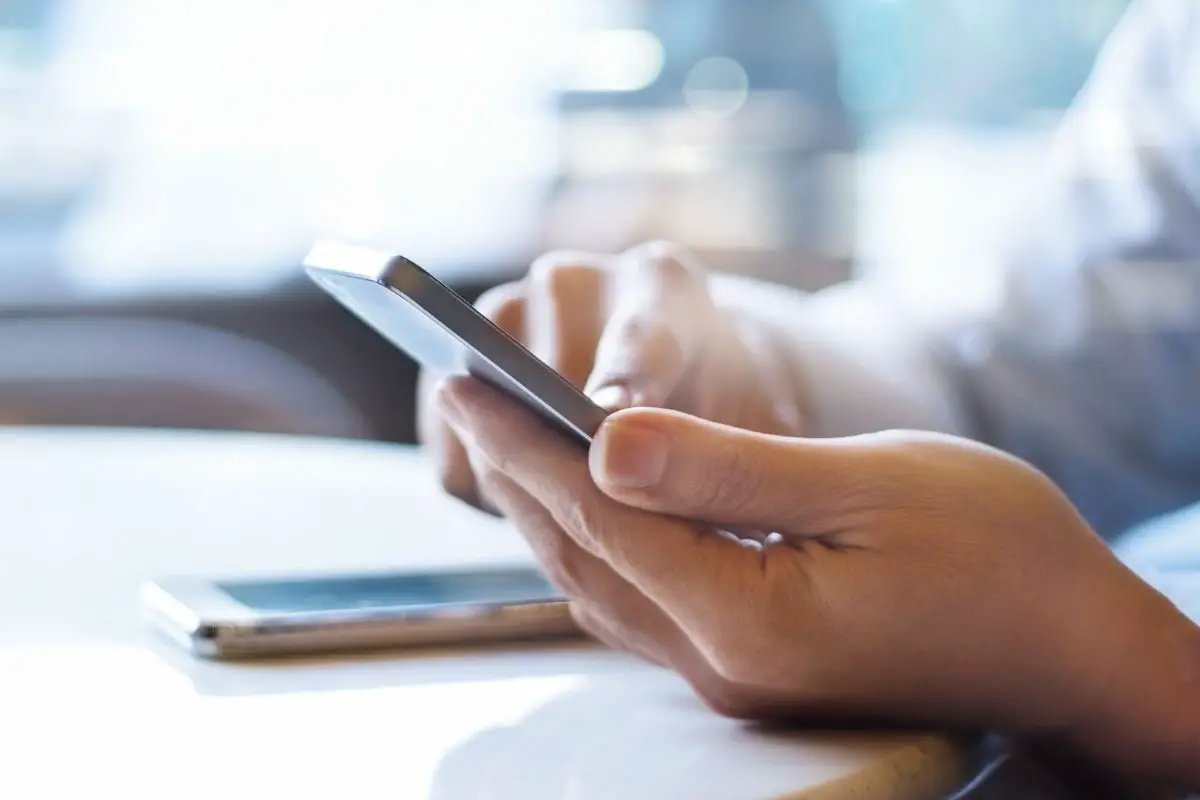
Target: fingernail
[[629, 456], [612, 397]]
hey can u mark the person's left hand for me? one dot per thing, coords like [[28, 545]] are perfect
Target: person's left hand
[[912, 577]]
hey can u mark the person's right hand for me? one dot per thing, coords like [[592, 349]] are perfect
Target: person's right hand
[[911, 577], [637, 329]]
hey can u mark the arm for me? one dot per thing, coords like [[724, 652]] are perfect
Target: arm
[[1089, 365]]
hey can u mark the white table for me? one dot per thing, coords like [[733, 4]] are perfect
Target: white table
[[93, 704]]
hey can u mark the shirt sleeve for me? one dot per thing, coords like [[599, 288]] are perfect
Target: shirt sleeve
[[1090, 365]]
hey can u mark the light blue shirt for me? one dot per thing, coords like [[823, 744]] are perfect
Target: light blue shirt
[[1091, 369]]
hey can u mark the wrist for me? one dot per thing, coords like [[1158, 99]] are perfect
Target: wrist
[[1144, 720]]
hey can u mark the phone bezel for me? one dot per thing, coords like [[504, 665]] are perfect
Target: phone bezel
[[529, 380]]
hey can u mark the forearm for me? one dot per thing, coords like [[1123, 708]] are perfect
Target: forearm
[[852, 360]]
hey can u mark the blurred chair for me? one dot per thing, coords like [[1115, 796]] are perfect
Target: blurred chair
[[159, 373]]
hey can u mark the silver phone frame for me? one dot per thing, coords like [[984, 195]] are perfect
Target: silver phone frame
[[196, 614], [503, 362]]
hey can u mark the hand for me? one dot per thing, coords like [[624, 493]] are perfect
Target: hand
[[638, 329], [910, 577]]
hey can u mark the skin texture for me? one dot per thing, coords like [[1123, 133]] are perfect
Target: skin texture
[[894, 576], [910, 577], [637, 329]]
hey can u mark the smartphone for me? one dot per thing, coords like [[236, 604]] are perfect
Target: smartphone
[[249, 617], [444, 333]]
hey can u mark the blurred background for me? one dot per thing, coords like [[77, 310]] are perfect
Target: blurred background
[[164, 165]]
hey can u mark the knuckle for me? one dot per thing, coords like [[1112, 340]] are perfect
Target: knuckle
[[563, 565], [732, 666], [672, 263], [497, 462], [590, 622], [746, 662], [500, 461], [588, 522], [727, 702], [484, 481], [572, 573], [733, 655]]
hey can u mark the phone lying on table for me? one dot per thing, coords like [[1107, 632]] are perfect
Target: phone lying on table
[[444, 333], [249, 617]]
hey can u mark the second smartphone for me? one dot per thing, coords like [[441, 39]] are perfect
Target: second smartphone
[[279, 615]]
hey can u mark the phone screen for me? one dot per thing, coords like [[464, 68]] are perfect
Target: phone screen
[[391, 591]]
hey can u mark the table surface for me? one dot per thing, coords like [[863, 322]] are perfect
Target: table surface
[[91, 700]]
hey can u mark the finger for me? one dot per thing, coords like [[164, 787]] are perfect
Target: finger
[[566, 313], [709, 587], [663, 558], [450, 459], [608, 607], [676, 464], [605, 605], [655, 330], [504, 305]]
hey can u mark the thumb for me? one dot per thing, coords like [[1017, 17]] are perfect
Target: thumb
[[672, 463]]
